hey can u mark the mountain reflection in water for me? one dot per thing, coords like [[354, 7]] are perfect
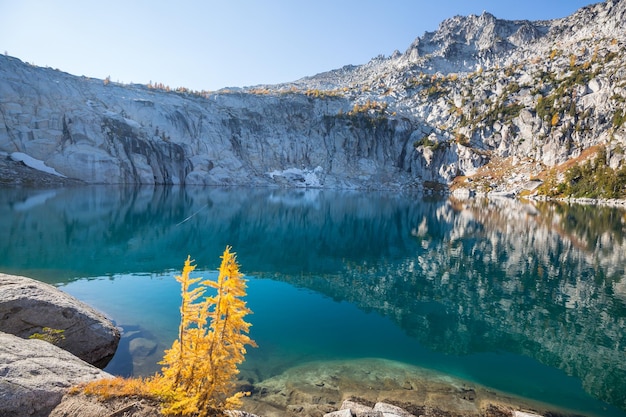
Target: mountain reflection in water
[[542, 281]]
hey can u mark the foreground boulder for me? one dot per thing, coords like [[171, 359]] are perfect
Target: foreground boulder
[[27, 306], [36, 375]]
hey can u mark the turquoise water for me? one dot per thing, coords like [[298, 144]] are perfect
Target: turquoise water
[[526, 299]]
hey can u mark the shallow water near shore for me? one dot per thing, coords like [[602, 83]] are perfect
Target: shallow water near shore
[[520, 298]]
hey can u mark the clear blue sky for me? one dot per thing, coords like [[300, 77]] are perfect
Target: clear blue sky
[[208, 44]]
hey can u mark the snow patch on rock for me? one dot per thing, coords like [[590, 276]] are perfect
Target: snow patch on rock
[[297, 177], [34, 163]]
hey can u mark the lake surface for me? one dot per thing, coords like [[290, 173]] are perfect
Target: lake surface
[[529, 299]]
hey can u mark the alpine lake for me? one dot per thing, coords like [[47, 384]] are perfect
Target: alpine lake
[[523, 298]]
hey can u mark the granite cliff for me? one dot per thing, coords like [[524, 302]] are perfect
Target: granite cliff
[[502, 101]]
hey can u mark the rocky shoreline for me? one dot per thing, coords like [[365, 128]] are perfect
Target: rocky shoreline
[[38, 375], [608, 202], [377, 388], [461, 193], [17, 174], [35, 373]]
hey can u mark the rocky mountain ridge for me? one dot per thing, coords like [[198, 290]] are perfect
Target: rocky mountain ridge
[[503, 102]]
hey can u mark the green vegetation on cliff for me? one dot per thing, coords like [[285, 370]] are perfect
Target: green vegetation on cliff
[[591, 179]]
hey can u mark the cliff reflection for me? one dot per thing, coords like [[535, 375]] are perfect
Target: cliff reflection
[[545, 281], [96, 231]]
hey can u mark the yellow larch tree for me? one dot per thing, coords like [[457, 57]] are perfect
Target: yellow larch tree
[[199, 371]]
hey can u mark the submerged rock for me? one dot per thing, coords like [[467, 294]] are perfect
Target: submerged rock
[[36, 374], [28, 306], [142, 347], [340, 413], [377, 387], [351, 408]]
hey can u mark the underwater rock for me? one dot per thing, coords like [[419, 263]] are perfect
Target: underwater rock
[[142, 347]]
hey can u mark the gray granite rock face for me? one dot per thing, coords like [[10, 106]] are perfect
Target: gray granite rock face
[[35, 375], [27, 306], [478, 88]]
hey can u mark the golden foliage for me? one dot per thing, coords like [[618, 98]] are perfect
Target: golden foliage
[[119, 387], [199, 370], [555, 119], [553, 54], [316, 93], [369, 105], [259, 91]]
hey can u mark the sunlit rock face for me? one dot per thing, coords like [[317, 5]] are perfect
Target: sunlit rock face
[[130, 134], [476, 89], [36, 374]]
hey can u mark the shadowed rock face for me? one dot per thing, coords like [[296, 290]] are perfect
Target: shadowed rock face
[[476, 89], [27, 306], [36, 374]]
